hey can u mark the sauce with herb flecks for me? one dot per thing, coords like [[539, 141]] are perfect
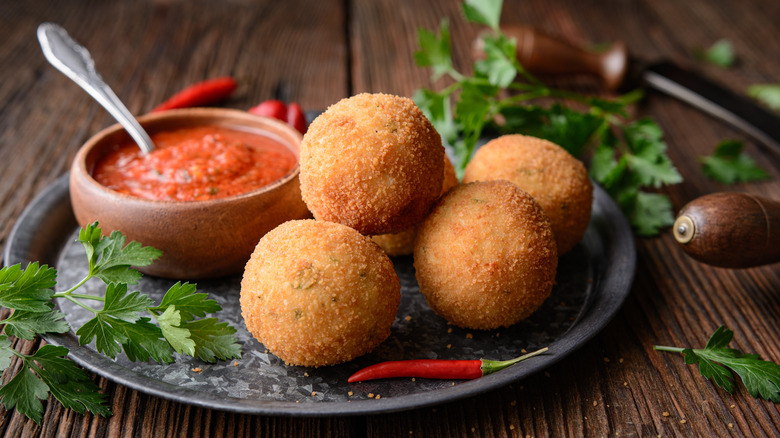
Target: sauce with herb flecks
[[196, 163]]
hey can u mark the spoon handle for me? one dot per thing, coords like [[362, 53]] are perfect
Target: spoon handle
[[76, 63]]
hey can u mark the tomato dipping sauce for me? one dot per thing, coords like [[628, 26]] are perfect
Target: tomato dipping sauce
[[196, 163]]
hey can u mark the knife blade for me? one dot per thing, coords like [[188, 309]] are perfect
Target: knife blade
[[542, 54]]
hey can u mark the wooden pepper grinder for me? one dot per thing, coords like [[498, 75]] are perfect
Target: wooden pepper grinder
[[730, 230], [541, 53]]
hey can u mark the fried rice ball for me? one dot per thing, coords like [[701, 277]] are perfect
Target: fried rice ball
[[399, 244], [372, 162], [557, 181], [486, 256], [318, 293]]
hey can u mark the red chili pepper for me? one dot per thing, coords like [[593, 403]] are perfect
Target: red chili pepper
[[292, 114], [296, 118], [201, 93], [271, 108], [437, 368]]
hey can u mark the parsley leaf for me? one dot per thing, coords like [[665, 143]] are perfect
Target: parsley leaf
[[435, 50], [49, 371], [487, 12], [144, 341], [716, 361], [437, 108], [30, 289], [6, 352], [650, 212], [721, 54], [729, 164], [189, 303], [767, 94], [499, 65], [213, 340], [26, 325], [648, 158], [177, 337], [109, 258], [25, 392], [106, 326]]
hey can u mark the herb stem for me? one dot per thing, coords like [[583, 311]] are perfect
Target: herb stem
[[664, 348], [70, 291], [79, 296], [73, 300]]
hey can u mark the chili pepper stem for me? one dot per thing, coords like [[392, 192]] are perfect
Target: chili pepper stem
[[491, 366]]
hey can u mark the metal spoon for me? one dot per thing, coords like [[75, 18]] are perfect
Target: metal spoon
[[76, 63]]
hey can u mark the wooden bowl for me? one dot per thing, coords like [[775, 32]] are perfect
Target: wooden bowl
[[199, 239]]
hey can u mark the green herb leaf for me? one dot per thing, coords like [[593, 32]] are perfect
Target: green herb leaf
[[26, 325], [648, 159], [188, 303], [49, 371], [106, 326], [761, 378], [767, 94], [109, 258], [729, 165], [438, 109], [650, 213], [30, 289], [435, 51], [214, 340], [499, 64], [144, 341], [25, 392], [6, 352], [569, 129], [487, 12], [177, 337], [721, 54]]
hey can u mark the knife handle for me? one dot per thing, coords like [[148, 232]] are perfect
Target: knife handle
[[540, 53], [730, 230]]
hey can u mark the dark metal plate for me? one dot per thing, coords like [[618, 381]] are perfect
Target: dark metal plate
[[593, 281]]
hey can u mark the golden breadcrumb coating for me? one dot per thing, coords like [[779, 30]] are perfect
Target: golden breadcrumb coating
[[558, 181], [319, 293], [398, 244], [486, 256], [372, 162]]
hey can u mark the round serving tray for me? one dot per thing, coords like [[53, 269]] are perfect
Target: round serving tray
[[593, 281]]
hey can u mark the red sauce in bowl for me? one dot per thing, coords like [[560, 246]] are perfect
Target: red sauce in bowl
[[196, 163]]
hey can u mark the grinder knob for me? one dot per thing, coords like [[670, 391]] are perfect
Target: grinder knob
[[730, 230]]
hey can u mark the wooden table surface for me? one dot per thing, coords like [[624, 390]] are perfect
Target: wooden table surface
[[318, 51]]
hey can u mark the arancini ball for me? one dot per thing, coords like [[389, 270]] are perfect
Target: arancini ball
[[399, 244], [372, 162], [486, 256], [558, 181], [318, 293]]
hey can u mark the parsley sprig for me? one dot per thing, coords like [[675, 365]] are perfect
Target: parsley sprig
[[761, 377], [628, 157], [118, 325], [729, 164]]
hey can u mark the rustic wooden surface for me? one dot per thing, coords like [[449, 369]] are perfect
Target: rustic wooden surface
[[317, 52]]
